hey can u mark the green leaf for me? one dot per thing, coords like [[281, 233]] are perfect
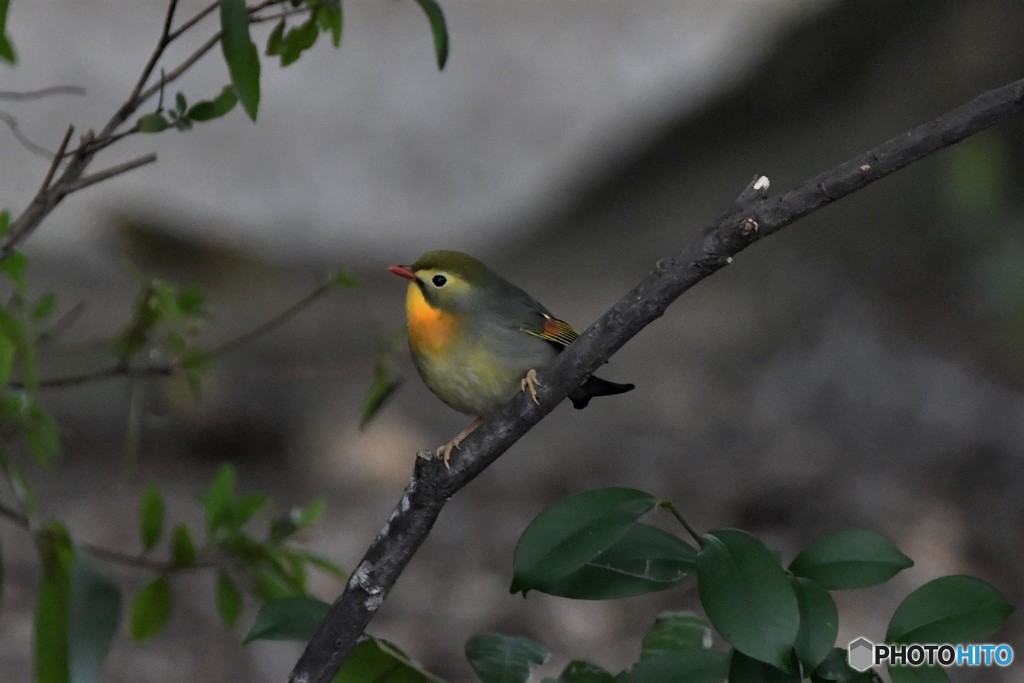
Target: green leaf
[[291, 618], [93, 615], [579, 671], [299, 39], [229, 600], [743, 669], [645, 559], [151, 608], [298, 518], [275, 42], [153, 123], [438, 27], [14, 267], [498, 658], [5, 215], [7, 349], [40, 432], [835, 667], [183, 551], [854, 558], [329, 17], [383, 387], [819, 622], [51, 619], [674, 631], [219, 498], [692, 666], [241, 55], [180, 103], [207, 110], [381, 662], [44, 306], [949, 609], [918, 674], [6, 47], [568, 535], [342, 278], [747, 596], [151, 516]]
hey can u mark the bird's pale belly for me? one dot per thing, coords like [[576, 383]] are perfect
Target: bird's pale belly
[[469, 382]]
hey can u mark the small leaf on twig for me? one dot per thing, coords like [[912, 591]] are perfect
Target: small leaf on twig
[[439, 28]]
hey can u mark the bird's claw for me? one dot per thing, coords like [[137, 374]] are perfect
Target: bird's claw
[[531, 382]]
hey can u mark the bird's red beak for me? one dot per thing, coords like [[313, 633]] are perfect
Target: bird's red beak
[[403, 271]]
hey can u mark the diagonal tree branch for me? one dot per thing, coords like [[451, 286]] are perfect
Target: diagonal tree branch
[[750, 219]]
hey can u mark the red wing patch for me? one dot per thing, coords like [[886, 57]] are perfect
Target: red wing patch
[[557, 331]]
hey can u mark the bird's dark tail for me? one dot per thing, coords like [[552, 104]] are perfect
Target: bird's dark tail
[[595, 386]]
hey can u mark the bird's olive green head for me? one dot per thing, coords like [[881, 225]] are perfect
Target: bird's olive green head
[[453, 280]]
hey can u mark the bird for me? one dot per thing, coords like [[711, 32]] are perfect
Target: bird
[[476, 339]]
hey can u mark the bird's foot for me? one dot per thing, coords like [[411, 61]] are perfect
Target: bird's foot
[[531, 382], [444, 451]]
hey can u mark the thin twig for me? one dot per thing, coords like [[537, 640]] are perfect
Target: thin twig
[[24, 95], [56, 160], [141, 561], [432, 485], [202, 14], [174, 367], [107, 174], [27, 143], [674, 511]]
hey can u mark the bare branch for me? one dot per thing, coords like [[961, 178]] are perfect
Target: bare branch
[[27, 143], [55, 161], [432, 485], [25, 95], [120, 169]]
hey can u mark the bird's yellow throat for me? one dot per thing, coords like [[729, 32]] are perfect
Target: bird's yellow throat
[[431, 330]]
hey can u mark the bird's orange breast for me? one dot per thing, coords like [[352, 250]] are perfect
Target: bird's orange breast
[[431, 330]]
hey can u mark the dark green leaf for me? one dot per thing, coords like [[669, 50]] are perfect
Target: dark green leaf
[[44, 305], [229, 600], [180, 103], [298, 518], [6, 47], [247, 506], [836, 668], [219, 498], [949, 609], [565, 537], [240, 53], [381, 662], [19, 484], [7, 349], [40, 432], [151, 516], [324, 565], [854, 558], [439, 28], [151, 608], [674, 631], [498, 658], [692, 666], [645, 559], [148, 310], [383, 387], [5, 215], [743, 669], [51, 619], [578, 671], [153, 123], [275, 41], [183, 551], [747, 596], [182, 124], [215, 108], [299, 39], [291, 618], [330, 18], [819, 622], [918, 674], [14, 267], [93, 614]]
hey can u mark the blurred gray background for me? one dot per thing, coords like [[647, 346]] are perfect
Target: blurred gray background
[[863, 368]]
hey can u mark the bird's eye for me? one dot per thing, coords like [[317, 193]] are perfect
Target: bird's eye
[[439, 280]]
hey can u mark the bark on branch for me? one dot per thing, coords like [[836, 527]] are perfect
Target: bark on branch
[[751, 218]]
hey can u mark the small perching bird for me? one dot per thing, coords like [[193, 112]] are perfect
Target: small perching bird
[[476, 339]]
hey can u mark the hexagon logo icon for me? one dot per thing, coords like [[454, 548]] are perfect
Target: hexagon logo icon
[[861, 654]]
